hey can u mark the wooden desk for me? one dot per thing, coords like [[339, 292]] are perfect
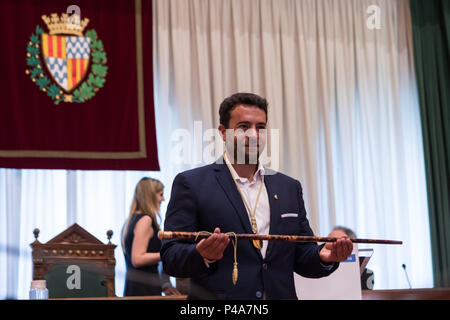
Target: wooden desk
[[407, 294], [401, 294], [182, 297]]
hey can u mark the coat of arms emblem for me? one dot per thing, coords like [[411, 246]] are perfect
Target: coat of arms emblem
[[66, 55]]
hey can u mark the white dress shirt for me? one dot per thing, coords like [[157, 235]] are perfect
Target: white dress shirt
[[250, 190]]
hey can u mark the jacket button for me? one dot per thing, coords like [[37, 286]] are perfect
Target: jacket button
[[264, 266], [259, 294]]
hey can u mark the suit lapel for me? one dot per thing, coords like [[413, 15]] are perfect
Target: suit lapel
[[225, 180], [274, 209]]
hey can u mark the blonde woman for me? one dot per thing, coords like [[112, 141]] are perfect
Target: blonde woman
[[140, 242]]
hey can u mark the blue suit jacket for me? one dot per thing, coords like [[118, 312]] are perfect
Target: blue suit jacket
[[205, 198]]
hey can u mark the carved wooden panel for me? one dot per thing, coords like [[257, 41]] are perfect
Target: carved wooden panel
[[71, 247]]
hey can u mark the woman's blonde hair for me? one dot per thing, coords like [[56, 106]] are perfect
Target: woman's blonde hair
[[144, 200]]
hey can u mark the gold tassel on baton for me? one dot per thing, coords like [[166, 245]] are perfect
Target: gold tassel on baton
[[206, 234]]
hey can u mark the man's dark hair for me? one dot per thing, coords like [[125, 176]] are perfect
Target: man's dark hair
[[236, 99]]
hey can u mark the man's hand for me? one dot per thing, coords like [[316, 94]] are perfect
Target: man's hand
[[213, 247], [336, 251], [171, 291]]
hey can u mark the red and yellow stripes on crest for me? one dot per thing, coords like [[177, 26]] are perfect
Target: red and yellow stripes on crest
[[76, 69], [54, 46]]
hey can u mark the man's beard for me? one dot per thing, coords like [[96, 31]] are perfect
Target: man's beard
[[239, 155]]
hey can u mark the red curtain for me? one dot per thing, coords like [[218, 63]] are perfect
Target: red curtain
[[109, 124]]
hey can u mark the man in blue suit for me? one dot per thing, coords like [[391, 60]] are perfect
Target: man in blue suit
[[237, 194]]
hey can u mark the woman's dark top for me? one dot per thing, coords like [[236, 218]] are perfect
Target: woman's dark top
[[143, 281]]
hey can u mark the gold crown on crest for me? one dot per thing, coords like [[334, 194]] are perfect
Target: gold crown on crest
[[65, 24]]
